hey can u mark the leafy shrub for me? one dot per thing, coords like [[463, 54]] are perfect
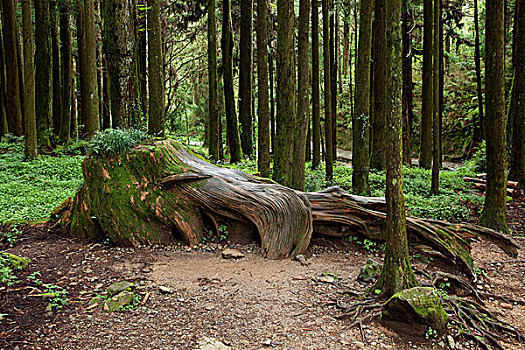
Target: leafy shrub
[[478, 163], [113, 142]]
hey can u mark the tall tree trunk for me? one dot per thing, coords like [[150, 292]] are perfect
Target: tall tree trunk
[[333, 76], [303, 98], [379, 117], [316, 109], [10, 32], [81, 106], [427, 107], [43, 73], [73, 99], [245, 78], [156, 68], [397, 273], [517, 160], [31, 147], [91, 94], [67, 70], [477, 136], [329, 154], [493, 214], [408, 85], [282, 171], [142, 56], [106, 111], [3, 95], [120, 50], [213, 103], [232, 123], [361, 119], [272, 102], [263, 134], [436, 156]]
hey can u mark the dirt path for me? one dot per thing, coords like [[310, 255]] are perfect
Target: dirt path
[[250, 303]]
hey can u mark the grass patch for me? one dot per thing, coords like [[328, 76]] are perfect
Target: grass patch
[[30, 190]]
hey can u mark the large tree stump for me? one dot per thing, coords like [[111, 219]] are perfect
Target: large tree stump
[[160, 190]]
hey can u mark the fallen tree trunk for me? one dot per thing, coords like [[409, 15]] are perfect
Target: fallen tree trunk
[[160, 191]]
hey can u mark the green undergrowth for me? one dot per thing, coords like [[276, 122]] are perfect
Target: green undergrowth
[[30, 190]]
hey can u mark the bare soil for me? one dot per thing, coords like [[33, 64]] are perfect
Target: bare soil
[[249, 303]]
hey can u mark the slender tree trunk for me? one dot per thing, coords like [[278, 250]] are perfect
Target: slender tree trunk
[[427, 108], [517, 160], [232, 124], [397, 273], [67, 70], [91, 94], [303, 98], [379, 117], [436, 156], [120, 50], [3, 95], [43, 73], [31, 147], [272, 103], [478, 123], [494, 210], [333, 76], [213, 105], [73, 99], [81, 106], [245, 78], [329, 154], [316, 109], [143, 53], [10, 31], [408, 86], [156, 67], [361, 119], [263, 160], [106, 111], [282, 171]]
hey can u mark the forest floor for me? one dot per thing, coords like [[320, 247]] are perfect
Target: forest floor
[[249, 303]]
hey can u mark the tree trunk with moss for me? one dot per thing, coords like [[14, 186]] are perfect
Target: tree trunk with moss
[[397, 273], [120, 50], [263, 132], [43, 73], [156, 68], [66, 69], [31, 147], [213, 102], [361, 119], [408, 85], [160, 192], [245, 77], [91, 112], [436, 147], [494, 210], [3, 94], [427, 104], [316, 109], [10, 32], [232, 124], [329, 159]]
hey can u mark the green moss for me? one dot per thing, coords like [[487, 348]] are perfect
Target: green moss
[[15, 261]]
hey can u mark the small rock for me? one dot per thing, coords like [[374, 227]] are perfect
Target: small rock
[[327, 279], [506, 306], [267, 342], [118, 301], [232, 254], [146, 270], [207, 343], [165, 290], [370, 271], [301, 259], [451, 342], [119, 287]]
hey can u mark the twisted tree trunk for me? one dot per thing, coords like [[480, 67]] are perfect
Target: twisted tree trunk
[[161, 191]]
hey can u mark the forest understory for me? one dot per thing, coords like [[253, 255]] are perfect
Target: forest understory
[[191, 293]]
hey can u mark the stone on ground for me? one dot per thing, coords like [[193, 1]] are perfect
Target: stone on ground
[[370, 271], [416, 305], [232, 254], [207, 343], [118, 301], [121, 286]]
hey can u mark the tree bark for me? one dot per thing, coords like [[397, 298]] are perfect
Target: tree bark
[[3, 93], [142, 56], [81, 106], [263, 134], [213, 103], [379, 117], [303, 98], [245, 78], [156, 70], [408, 86], [316, 109], [10, 32], [397, 273], [478, 133], [66, 70], [31, 147], [160, 191], [517, 160], [427, 107], [436, 156], [494, 210], [232, 123], [43, 88], [333, 75], [361, 119], [91, 111], [282, 168], [120, 50], [329, 159]]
